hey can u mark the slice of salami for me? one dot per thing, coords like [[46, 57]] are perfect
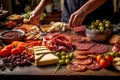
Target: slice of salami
[[80, 29], [83, 61], [80, 56], [77, 52], [76, 67], [83, 46], [74, 37], [99, 48], [94, 66]]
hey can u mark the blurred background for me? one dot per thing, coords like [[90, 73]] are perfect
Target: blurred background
[[56, 6]]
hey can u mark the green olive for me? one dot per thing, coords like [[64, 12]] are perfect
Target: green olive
[[63, 53], [107, 25], [96, 24], [93, 23], [108, 22], [67, 56], [57, 54], [104, 20], [100, 24], [92, 26], [61, 62], [98, 21], [101, 28], [71, 55], [63, 57], [67, 61]]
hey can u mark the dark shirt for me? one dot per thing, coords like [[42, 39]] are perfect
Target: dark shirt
[[106, 11]]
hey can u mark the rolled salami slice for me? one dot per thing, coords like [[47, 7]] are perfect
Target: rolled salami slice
[[76, 67]]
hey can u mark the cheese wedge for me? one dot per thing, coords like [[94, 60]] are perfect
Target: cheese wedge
[[46, 59]]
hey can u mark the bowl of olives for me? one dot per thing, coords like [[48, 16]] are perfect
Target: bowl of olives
[[99, 30]]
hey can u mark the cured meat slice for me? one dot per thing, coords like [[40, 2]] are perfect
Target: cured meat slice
[[94, 66], [76, 67], [77, 52], [74, 37], [83, 46], [83, 61], [99, 48], [80, 56], [80, 29]]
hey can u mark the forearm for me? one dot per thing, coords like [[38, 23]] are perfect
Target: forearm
[[90, 6], [41, 6]]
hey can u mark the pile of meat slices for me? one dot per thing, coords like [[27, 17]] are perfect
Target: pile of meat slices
[[85, 53]]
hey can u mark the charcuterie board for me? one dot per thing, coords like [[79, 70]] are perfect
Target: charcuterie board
[[83, 63]]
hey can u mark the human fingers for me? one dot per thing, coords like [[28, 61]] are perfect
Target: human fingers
[[70, 24]]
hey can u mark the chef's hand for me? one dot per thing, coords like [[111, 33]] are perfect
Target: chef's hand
[[76, 19], [34, 19]]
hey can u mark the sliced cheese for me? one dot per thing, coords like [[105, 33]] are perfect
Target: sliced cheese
[[37, 57], [39, 47], [47, 59], [42, 52]]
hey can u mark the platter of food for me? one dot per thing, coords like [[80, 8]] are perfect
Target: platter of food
[[59, 51]]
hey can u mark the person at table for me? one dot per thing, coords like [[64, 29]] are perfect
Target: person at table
[[77, 12]]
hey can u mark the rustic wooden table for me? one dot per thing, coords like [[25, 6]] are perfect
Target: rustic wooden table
[[48, 72]]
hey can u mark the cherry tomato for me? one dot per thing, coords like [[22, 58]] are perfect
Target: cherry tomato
[[40, 42], [21, 48], [4, 53], [109, 58], [15, 51], [99, 57], [9, 47], [104, 63]]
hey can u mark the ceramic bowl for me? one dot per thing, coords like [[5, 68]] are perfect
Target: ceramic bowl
[[97, 35], [8, 36]]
